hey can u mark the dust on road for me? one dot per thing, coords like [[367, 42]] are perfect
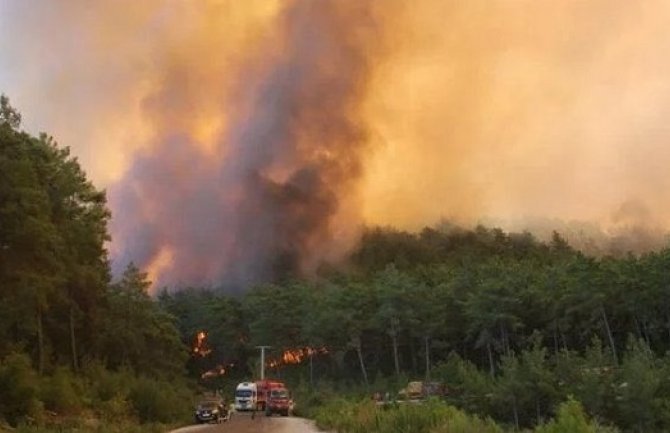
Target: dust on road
[[242, 423]]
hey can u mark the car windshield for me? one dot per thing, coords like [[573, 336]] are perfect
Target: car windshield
[[279, 393], [208, 405], [243, 393]]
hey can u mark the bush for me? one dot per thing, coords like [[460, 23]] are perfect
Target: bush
[[62, 392], [572, 419], [158, 401], [19, 387], [469, 388], [308, 399], [105, 385], [115, 409], [431, 417]]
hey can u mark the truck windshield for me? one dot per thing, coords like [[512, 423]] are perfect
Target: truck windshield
[[243, 393], [279, 393]]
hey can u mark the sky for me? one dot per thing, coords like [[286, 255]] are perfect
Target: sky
[[310, 119]]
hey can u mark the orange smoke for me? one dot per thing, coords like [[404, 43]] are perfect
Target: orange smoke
[[253, 172], [518, 113]]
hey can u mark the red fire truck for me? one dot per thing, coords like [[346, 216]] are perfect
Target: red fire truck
[[279, 401], [264, 391]]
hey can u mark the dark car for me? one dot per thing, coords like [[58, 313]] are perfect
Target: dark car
[[211, 411]]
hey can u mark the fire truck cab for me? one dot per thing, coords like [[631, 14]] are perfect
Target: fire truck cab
[[263, 388]]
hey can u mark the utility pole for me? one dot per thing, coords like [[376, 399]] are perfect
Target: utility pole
[[263, 349]]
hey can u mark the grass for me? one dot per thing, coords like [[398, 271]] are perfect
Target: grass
[[347, 416]]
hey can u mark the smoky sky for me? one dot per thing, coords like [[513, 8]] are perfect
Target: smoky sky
[[248, 140], [261, 203]]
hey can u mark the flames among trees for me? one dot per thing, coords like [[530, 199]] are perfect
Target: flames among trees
[[200, 346], [296, 356], [482, 303], [201, 349]]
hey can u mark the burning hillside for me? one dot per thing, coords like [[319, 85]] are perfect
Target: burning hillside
[[243, 141], [269, 195]]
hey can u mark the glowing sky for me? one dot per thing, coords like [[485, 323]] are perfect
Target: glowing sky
[[511, 110]]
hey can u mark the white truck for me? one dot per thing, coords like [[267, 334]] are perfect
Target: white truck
[[246, 396]]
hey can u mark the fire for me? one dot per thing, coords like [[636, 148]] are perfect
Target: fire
[[205, 134], [296, 356], [200, 347], [219, 370]]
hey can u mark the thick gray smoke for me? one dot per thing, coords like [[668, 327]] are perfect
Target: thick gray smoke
[[261, 203], [232, 135]]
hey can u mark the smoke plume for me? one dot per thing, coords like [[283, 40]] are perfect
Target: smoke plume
[[271, 195], [245, 140]]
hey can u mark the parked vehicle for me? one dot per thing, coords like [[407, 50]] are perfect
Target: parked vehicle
[[417, 391], [255, 395], [264, 388], [279, 401], [246, 396], [212, 411]]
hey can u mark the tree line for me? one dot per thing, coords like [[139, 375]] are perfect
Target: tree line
[[59, 307], [511, 324]]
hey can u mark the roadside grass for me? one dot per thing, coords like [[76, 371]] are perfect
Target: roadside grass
[[345, 416], [348, 416]]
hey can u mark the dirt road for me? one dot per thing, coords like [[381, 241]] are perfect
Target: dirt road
[[242, 423]]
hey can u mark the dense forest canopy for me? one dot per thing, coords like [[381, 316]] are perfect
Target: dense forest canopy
[[511, 324], [65, 327]]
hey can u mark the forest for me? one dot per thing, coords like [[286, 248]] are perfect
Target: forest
[[513, 326], [74, 345], [517, 328]]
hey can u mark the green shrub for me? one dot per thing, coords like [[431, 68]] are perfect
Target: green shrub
[[572, 419], [62, 392], [158, 401], [19, 388], [431, 417], [115, 409], [308, 400], [469, 388], [106, 385]]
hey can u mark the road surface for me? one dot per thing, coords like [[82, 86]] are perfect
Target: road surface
[[242, 423]]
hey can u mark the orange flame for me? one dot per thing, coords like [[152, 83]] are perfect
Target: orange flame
[[296, 356], [200, 347], [219, 370]]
